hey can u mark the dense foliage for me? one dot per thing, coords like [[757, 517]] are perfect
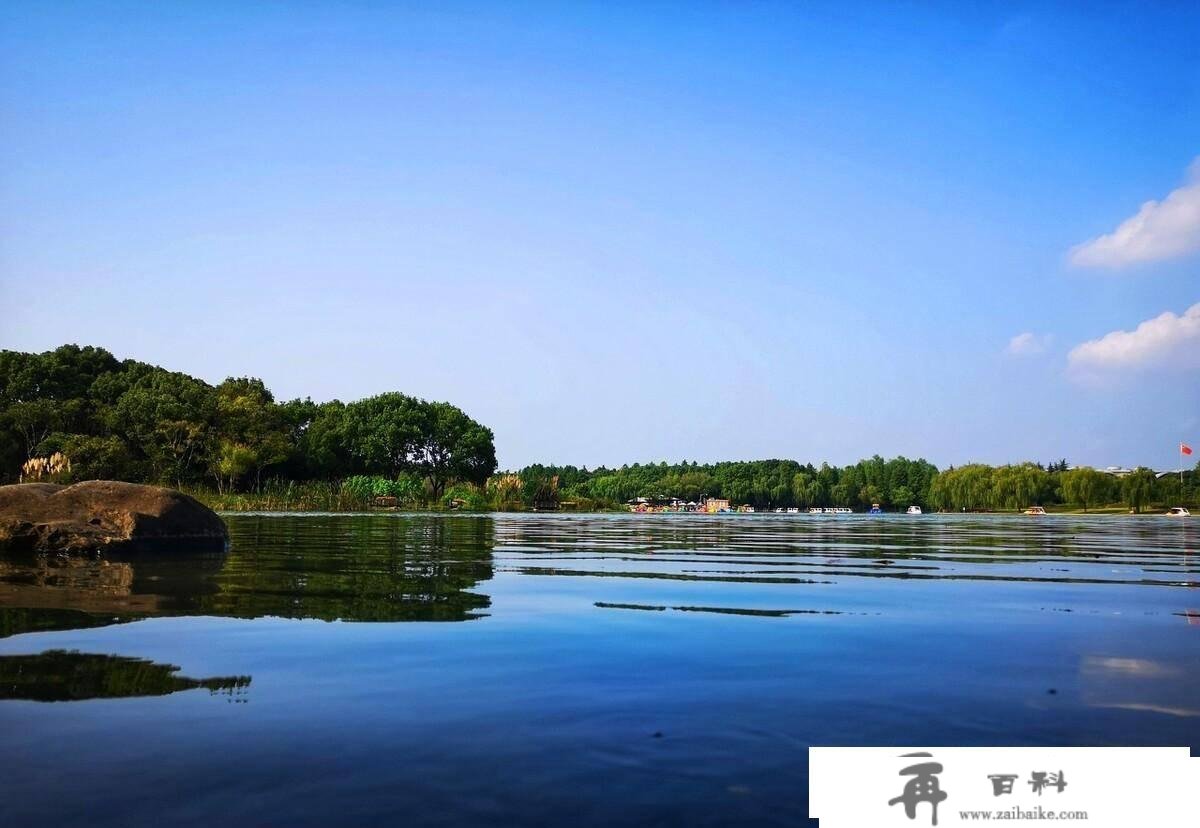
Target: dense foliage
[[894, 484], [899, 482], [79, 413], [977, 487]]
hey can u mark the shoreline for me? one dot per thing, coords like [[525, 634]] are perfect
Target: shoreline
[[1106, 513]]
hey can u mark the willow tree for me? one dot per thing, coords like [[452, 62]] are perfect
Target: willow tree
[[1138, 487], [1086, 486]]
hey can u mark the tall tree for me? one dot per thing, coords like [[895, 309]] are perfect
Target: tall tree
[[394, 433], [1086, 486], [251, 432], [1138, 487], [384, 433], [168, 417], [455, 447]]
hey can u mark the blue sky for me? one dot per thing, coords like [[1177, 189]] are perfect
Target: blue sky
[[630, 232]]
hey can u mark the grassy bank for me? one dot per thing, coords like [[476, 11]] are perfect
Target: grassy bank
[[337, 496], [1118, 508], [279, 496], [358, 495]]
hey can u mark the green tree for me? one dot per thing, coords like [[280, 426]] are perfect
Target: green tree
[[1086, 486], [322, 447], [611, 488], [1016, 487], [869, 495], [168, 417], [1138, 487], [393, 433], [231, 462], [100, 458], [251, 431], [384, 433], [841, 494], [901, 495], [454, 448], [801, 481], [966, 488], [34, 420]]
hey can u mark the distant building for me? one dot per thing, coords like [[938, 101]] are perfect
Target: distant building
[[716, 504], [1118, 471], [1121, 471]]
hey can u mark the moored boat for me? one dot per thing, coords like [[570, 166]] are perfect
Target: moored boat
[[1178, 511], [1035, 511], [913, 510]]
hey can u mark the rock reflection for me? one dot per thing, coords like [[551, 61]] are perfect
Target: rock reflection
[[59, 675], [348, 568]]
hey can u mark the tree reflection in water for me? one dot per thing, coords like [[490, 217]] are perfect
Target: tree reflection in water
[[329, 567], [58, 675]]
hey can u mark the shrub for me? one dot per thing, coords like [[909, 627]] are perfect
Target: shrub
[[465, 496], [360, 487]]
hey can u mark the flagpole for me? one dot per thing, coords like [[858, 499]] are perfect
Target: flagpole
[[1184, 450]]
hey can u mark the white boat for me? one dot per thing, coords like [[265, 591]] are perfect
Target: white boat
[[1178, 511], [792, 510], [815, 510], [1035, 511], [913, 510]]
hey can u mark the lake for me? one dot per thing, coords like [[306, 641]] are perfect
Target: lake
[[591, 669]]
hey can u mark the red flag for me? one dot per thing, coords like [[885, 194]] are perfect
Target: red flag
[[1184, 448]]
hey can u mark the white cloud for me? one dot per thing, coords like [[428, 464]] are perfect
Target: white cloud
[[1165, 340], [1028, 344], [1160, 230]]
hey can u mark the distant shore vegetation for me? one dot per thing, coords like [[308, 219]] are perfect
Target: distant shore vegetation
[[893, 484], [78, 413]]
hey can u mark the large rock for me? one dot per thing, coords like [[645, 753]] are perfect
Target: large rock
[[105, 514]]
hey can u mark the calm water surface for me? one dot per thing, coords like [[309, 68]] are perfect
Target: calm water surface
[[596, 670]]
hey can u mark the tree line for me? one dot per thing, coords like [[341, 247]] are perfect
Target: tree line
[[898, 482], [78, 413], [978, 487], [893, 484]]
